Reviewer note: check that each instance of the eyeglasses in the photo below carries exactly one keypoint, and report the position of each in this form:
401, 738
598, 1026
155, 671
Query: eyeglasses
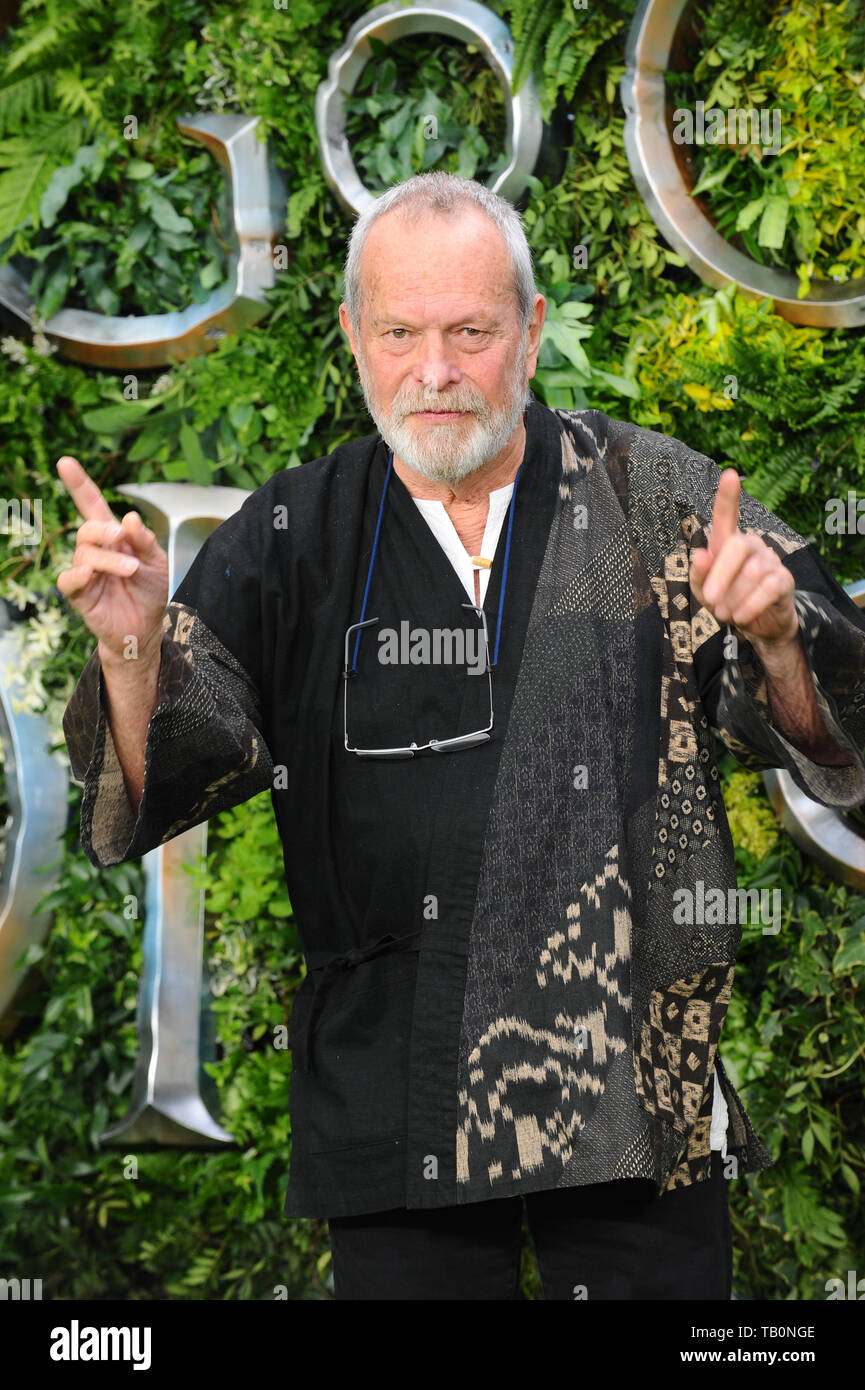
437, 745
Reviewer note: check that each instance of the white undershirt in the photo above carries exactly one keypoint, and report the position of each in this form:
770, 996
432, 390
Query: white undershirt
445, 533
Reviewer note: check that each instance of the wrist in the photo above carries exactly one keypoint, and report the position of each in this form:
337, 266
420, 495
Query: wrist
777, 647
146, 660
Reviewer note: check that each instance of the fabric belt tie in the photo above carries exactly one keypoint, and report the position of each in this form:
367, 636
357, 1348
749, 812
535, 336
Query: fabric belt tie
332, 969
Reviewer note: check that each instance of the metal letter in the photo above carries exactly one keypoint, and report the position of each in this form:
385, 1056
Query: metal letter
258, 197
36, 786
820, 831
461, 19
662, 180
169, 1086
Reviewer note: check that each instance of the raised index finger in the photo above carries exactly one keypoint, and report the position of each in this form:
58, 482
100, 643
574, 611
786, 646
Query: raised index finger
83, 491
725, 513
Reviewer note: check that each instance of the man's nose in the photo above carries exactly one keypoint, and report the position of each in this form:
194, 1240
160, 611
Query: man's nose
435, 369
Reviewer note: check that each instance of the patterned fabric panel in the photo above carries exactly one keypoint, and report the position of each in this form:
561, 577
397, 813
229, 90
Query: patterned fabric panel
204, 752
678, 1042
538, 1072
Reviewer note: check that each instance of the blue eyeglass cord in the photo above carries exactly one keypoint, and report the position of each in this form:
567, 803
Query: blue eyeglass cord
495, 660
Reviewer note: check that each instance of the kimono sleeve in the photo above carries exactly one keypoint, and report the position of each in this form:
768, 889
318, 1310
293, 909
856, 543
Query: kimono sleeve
205, 751
730, 676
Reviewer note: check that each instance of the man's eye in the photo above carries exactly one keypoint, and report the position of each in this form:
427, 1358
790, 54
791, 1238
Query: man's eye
476, 332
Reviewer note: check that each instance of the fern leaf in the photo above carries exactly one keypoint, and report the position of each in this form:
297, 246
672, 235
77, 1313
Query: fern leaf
776, 478
44, 38
20, 100
528, 47
21, 190
570, 49
30, 161
74, 95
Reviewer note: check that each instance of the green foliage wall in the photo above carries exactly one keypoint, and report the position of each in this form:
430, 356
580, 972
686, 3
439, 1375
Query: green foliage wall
137, 226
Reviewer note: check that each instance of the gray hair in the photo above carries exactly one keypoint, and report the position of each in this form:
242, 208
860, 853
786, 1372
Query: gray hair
447, 195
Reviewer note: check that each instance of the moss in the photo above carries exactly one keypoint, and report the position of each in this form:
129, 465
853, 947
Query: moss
753, 822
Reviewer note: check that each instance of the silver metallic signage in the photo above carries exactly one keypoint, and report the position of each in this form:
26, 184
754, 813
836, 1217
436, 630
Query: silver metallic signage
821, 832
662, 181
258, 197
258, 191
36, 786
170, 1090
459, 19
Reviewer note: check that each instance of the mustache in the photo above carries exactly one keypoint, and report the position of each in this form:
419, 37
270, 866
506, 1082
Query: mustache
409, 404
409, 407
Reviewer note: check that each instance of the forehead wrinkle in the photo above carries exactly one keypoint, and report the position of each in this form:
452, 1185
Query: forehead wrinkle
483, 248
407, 318
418, 307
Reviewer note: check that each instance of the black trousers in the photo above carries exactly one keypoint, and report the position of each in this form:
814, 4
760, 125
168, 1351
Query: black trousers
608, 1240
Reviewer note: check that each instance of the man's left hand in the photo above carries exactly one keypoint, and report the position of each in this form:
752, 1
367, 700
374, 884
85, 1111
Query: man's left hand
740, 579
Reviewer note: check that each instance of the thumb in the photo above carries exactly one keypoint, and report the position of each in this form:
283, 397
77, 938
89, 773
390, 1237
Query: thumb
140, 537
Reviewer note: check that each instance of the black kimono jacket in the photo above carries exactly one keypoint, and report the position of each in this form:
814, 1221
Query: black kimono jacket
499, 998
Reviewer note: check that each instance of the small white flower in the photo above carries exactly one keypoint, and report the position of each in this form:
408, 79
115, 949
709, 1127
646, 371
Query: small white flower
14, 348
42, 346
19, 595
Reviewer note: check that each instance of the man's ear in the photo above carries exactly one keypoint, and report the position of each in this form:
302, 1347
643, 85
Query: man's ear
535, 331
345, 325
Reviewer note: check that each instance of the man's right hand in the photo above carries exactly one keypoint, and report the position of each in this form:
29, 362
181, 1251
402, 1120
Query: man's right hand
118, 580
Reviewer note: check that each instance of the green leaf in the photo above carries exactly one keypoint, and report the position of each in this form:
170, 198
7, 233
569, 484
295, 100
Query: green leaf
176, 472
88, 162
163, 212
713, 179
45, 38
139, 169
573, 309
773, 223
152, 436
750, 212
137, 239
199, 472
394, 126
84, 1005
565, 338
31, 955
210, 275
823, 1135
622, 384
113, 419
21, 191
107, 300
851, 954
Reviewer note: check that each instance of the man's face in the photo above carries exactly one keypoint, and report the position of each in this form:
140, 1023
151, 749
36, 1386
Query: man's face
444, 367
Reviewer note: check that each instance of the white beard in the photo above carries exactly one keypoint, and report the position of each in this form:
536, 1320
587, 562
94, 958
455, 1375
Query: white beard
449, 450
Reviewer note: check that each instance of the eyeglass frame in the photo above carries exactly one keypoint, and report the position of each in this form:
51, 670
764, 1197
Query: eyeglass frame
436, 745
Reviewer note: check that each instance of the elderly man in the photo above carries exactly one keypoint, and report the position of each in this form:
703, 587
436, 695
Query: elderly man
476, 657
